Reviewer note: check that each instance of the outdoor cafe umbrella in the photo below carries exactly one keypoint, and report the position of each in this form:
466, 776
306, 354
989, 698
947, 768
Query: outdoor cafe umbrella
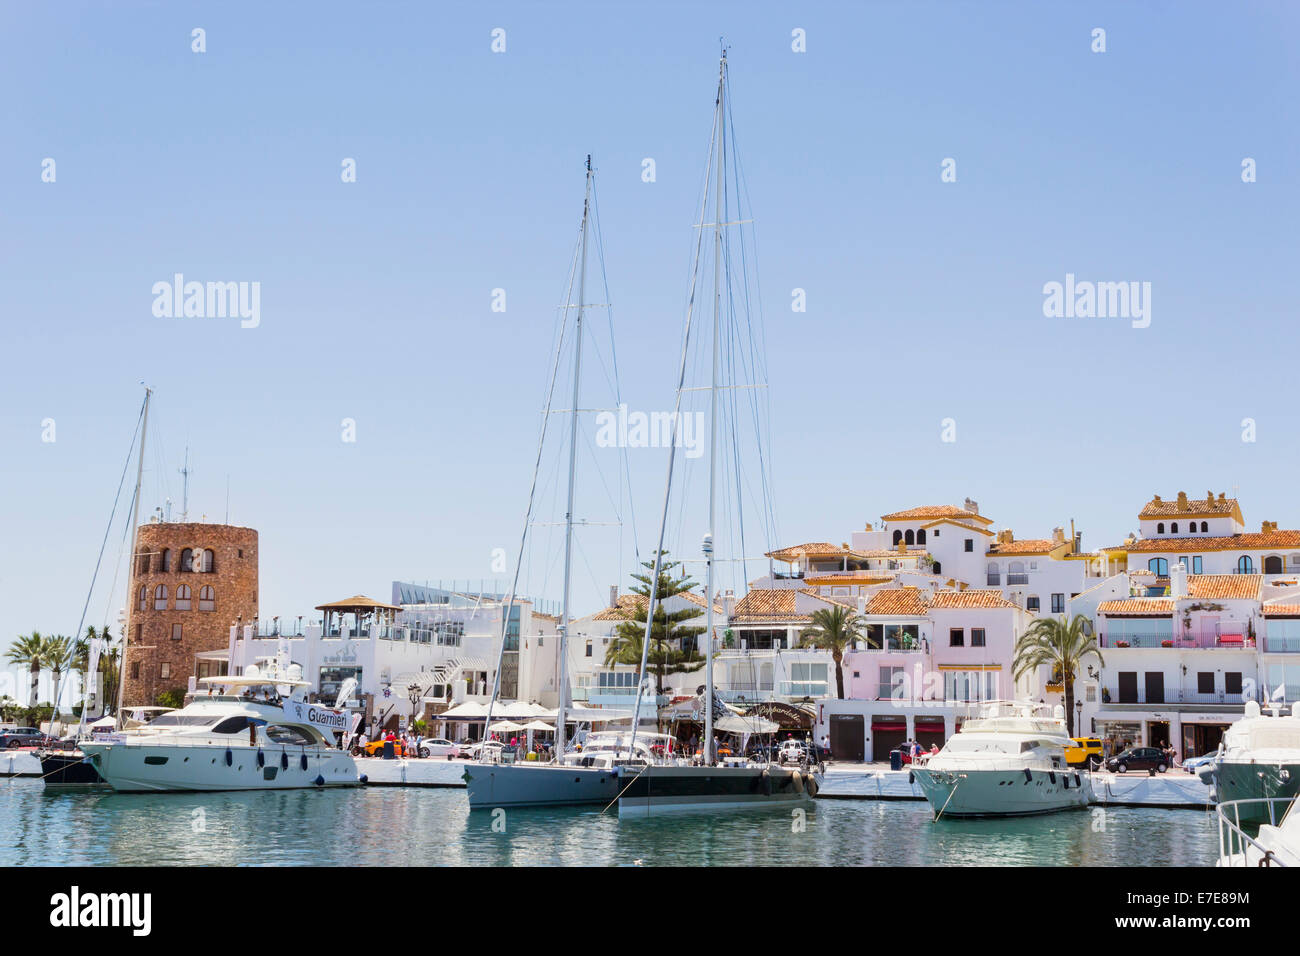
505, 727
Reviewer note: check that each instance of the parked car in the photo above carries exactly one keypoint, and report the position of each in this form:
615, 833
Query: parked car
376, 748
1193, 764
438, 747
22, 737
494, 748
1139, 758
1086, 752
792, 751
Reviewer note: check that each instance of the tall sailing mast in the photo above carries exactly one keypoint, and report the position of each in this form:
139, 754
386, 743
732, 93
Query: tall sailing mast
131, 567
563, 684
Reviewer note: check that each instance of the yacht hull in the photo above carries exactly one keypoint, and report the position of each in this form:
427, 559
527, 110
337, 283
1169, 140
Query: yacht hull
69, 770
1251, 780
519, 785
1002, 793
153, 767
663, 790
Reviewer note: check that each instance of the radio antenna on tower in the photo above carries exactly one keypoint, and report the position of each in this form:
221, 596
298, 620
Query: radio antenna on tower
185, 486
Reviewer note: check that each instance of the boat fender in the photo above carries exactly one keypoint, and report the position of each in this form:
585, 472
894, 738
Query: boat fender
1077, 781
284, 760
302, 761
911, 777
1029, 777
363, 778
1051, 776
797, 779
1065, 781
230, 758
319, 781
261, 758
812, 786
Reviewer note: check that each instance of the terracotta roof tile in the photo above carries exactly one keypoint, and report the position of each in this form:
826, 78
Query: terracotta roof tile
847, 577
768, 604
1200, 507
1145, 607
1224, 587
809, 549
934, 511
1249, 541
971, 598
897, 601
1282, 610
1027, 546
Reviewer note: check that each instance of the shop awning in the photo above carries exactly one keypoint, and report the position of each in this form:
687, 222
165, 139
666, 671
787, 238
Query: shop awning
888, 725
929, 726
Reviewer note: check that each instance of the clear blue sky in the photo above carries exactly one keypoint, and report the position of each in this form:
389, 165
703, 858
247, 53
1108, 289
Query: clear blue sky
924, 298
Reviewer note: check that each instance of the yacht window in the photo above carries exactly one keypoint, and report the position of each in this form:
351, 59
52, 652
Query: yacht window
232, 725
182, 720
280, 734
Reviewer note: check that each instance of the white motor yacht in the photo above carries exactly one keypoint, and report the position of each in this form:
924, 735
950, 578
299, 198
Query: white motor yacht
253, 732
1277, 842
1007, 762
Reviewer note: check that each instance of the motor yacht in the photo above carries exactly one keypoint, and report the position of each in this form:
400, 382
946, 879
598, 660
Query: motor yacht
1258, 759
252, 732
1006, 762
1275, 843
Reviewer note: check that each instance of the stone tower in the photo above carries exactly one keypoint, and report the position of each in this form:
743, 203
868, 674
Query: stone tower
189, 583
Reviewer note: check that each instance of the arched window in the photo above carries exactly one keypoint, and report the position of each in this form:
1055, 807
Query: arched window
898, 536
167, 559
1245, 565
144, 598
209, 561
160, 598
183, 595
1160, 528
1273, 564
1173, 528
920, 536
909, 538
1159, 567
936, 568
187, 559
1205, 526
207, 598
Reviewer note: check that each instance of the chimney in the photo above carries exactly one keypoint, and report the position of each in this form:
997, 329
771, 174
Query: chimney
728, 603
972, 506
862, 603
613, 595
1005, 536
1178, 581
1155, 500
1182, 501
1058, 536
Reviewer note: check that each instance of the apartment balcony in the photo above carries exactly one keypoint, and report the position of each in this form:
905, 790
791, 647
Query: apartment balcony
1013, 579
1177, 699
800, 689
1281, 645
995, 580
745, 693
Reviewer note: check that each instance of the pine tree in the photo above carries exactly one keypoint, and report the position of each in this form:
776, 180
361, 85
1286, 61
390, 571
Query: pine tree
673, 645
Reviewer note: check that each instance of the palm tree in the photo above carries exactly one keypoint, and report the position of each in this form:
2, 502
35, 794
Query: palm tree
56, 654
26, 652
672, 644
1062, 645
833, 629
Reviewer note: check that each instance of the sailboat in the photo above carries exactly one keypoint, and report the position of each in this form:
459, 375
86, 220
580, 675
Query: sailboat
674, 788
580, 778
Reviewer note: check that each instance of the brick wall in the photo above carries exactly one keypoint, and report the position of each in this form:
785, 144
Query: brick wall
166, 638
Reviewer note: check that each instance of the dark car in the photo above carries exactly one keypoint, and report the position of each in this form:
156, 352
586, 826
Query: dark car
1139, 758
22, 737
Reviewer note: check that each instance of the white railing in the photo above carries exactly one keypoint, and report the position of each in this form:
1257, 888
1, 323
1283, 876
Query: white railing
1236, 846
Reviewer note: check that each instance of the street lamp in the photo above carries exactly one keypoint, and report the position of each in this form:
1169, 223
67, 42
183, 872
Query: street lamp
413, 691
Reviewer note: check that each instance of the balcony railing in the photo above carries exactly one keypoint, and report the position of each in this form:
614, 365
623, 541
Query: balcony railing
1221, 642
1017, 578
804, 688
1282, 645
994, 580
1178, 696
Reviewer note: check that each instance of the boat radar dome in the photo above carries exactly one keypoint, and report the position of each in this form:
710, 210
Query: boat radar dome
252, 670
294, 672
1252, 708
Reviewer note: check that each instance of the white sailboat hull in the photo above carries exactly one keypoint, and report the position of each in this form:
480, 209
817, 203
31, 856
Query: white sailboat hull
544, 785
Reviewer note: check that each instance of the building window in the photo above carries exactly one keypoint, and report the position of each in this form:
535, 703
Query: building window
167, 559
135, 670
1173, 528
176, 632
1031, 603
589, 648
1273, 564
920, 536
207, 598
1058, 603
1245, 565
898, 536
1159, 567
970, 544
1196, 564
144, 597
977, 637
1205, 682
1205, 526
957, 637
187, 559
1160, 528
160, 598
183, 595
165, 670
910, 537
1232, 682
209, 561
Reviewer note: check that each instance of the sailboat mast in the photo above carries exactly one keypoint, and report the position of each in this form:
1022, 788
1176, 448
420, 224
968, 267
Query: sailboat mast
135, 530
563, 684
709, 754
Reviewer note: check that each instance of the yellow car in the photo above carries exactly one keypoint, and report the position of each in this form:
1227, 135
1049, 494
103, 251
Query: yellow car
1086, 751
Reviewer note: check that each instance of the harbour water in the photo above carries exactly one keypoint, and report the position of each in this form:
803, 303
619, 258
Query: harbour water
387, 826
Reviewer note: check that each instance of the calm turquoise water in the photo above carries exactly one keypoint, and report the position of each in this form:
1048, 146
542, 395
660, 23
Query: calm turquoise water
389, 826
